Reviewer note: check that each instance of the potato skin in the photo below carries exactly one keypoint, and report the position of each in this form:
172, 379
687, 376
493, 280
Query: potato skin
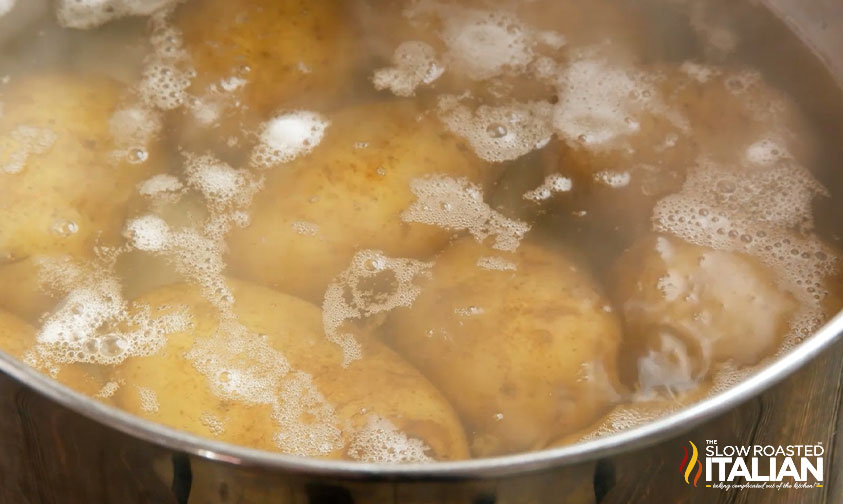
290, 47
514, 351
76, 180
689, 302
293, 327
354, 195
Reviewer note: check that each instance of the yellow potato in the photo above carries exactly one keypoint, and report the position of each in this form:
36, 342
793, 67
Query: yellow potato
697, 113
64, 182
524, 355
348, 194
688, 308
262, 55
281, 323
17, 338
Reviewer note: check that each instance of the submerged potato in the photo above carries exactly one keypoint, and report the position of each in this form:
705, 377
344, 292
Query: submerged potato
316, 407
348, 194
17, 338
524, 354
258, 56
688, 307
64, 182
621, 162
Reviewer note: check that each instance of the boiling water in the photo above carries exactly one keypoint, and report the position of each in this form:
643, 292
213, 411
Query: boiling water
414, 232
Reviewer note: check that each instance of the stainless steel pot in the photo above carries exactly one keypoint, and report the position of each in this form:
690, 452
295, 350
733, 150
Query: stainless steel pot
57, 445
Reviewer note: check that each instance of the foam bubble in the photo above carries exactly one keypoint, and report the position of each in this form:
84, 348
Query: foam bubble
148, 233
613, 179
108, 390
148, 399
496, 263
219, 183
161, 186
380, 441
308, 423
483, 43
6, 6
212, 423
168, 72
764, 212
93, 323
24, 141
457, 204
287, 137
766, 152
239, 365
554, 183
86, 14
134, 126
305, 228
414, 63
602, 103
498, 133
350, 295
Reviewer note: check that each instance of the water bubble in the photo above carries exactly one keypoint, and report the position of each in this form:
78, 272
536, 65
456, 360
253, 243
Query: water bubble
496, 130
64, 228
137, 155
726, 186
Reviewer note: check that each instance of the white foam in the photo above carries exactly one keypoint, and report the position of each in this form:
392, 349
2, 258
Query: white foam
93, 323
86, 14
308, 425
108, 390
483, 43
601, 104
764, 212
380, 441
698, 72
219, 183
348, 298
496, 263
498, 133
613, 179
553, 183
457, 204
6, 6
239, 365
305, 228
148, 233
24, 141
168, 72
134, 127
212, 422
148, 400
766, 152
287, 137
161, 186
414, 63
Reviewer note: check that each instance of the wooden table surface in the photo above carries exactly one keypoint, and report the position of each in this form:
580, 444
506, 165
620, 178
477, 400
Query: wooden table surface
804, 409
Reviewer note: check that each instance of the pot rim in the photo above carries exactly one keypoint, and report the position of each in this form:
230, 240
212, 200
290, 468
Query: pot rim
508, 465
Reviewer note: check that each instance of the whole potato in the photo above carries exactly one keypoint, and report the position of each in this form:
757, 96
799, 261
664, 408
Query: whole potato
525, 350
688, 308
345, 412
348, 194
65, 178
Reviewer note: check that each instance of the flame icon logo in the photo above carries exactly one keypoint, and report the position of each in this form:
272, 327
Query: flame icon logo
688, 466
